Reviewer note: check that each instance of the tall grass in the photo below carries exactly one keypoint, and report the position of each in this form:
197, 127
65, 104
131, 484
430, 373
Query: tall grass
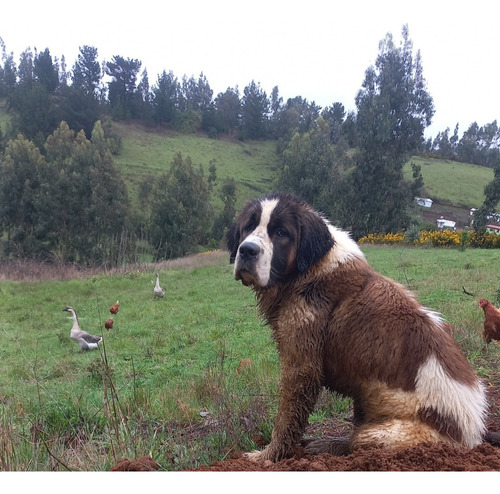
164, 383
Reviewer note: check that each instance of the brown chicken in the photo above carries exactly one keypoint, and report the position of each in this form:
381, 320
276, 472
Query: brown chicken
491, 329
115, 308
109, 323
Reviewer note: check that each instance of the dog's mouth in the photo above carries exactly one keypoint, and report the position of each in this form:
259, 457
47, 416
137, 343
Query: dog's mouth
246, 277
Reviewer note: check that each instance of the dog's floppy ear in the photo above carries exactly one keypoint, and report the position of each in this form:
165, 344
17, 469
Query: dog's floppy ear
233, 241
314, 242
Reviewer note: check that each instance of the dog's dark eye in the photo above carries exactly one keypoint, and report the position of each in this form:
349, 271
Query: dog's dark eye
281, 233
250, 226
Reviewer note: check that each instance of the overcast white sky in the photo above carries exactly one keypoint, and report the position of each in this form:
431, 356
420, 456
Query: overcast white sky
316, 49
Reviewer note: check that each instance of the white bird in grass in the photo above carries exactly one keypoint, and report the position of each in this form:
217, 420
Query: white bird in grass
86, 340
158, 291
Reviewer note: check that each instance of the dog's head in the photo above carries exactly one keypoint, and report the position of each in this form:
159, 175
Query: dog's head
276, 237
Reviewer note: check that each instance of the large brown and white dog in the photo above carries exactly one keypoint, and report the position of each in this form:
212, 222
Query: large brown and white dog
340, 324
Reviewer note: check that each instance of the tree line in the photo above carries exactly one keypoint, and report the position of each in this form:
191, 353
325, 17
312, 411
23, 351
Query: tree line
58, 150
478, 145
40, 92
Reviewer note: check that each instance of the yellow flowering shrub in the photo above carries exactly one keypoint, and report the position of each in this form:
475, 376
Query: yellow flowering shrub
382, 238
484, 241
437, 238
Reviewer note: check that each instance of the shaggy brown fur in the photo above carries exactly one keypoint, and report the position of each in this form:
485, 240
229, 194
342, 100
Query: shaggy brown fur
338, 323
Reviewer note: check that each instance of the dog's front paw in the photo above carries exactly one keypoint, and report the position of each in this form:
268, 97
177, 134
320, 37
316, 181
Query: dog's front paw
255, 456
270, 453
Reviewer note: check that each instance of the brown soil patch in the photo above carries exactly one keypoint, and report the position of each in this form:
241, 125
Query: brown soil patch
425, 458
432, 457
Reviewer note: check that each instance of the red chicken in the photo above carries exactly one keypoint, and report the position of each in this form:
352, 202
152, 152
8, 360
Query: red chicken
491, 329
109, 324
115, 308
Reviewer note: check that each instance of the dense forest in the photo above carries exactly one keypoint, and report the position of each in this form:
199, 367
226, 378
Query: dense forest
63, 198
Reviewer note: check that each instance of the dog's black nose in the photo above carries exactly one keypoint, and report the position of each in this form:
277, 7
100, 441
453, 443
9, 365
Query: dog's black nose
249, 250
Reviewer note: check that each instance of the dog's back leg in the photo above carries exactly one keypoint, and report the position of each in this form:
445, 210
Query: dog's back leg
395, 433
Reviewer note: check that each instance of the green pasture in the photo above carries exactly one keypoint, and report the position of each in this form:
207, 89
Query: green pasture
165, 383
253, 164
452, 183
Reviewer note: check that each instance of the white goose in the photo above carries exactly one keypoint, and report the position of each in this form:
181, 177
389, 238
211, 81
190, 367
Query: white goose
86, 340
158, 291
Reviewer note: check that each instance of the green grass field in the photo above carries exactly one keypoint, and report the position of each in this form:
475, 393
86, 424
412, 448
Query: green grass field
253, 164
453, 183
164, 383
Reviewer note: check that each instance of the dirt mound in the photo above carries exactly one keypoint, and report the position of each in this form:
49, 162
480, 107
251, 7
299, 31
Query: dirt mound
424, 458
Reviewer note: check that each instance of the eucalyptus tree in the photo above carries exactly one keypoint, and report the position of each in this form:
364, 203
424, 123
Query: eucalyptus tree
296, 115
109, 205
33, 113
144, 99
480, 145
393, 110
226, 217
196, 103
70, 159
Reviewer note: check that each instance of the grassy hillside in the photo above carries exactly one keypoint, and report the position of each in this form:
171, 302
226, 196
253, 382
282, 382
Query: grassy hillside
455, 187
253, 164
453, 183
166, 385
